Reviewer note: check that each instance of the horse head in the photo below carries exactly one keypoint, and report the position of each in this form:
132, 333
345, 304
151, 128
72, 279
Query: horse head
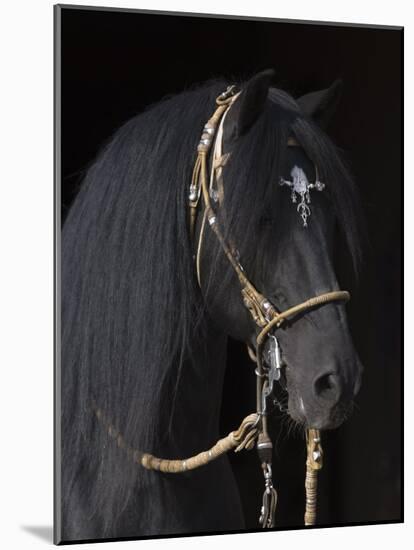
281, 192
143, 350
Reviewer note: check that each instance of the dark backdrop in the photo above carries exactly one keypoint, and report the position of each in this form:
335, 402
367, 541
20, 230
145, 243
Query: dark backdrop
115, 63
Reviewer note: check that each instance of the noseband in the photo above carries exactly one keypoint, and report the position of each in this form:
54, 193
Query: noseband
253, 429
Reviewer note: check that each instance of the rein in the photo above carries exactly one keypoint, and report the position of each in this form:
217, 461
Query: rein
253, 429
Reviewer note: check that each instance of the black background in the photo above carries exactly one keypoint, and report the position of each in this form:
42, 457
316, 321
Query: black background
114, 64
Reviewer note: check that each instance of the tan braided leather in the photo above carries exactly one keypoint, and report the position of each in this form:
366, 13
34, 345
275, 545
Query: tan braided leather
243, 438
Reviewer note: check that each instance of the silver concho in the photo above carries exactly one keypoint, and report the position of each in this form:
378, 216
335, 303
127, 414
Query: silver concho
301, 187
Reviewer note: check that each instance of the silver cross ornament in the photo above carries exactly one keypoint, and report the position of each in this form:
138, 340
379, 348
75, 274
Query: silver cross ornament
301, 187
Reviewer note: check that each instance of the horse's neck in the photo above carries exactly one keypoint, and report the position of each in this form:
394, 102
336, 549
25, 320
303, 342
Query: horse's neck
194, 423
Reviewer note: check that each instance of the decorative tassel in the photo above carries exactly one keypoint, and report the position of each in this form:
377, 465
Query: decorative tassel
313, 464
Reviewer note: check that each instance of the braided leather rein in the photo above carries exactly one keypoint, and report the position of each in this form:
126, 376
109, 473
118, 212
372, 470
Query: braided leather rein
253, 428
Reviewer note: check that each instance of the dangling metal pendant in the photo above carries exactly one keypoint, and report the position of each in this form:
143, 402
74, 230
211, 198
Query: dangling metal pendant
269, 502
273, 360
300, 186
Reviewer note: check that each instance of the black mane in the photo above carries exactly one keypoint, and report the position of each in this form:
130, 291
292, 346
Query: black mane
129, 293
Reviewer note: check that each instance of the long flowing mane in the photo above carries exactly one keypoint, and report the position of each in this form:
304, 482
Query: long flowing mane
131, 309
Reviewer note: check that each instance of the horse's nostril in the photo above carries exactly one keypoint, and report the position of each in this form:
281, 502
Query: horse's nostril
327, 386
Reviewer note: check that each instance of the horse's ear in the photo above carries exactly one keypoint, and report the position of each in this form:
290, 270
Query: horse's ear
251, 102
321, 105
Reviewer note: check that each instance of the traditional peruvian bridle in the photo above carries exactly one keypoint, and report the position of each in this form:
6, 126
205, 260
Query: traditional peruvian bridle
253, 428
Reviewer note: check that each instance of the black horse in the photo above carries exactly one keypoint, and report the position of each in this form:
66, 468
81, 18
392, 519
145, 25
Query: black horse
145, 344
